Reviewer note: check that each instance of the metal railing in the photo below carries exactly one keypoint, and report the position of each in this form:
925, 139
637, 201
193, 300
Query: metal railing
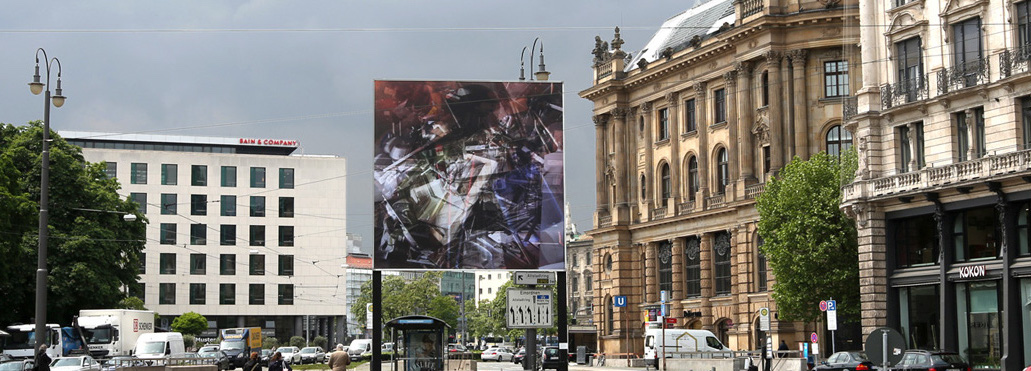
849, 108
1015, 60
963, 75
904, 91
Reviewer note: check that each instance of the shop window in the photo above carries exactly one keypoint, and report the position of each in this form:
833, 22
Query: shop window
169, 174
166, 293
257, 294
665, 263
976, 234
227, 264
920, 326
835, 79
138, 173
197, 291
1025, 298
979, 324
169, 204
141, 200
838, 140
916, 242
692, 268
692, 178
199, 175
258, 206
227, 293
227, 235
721, 263
286, 294
198, 204
1023, 229
229, 176
228, 205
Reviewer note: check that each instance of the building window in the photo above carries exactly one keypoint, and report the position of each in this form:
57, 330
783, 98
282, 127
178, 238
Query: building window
227, 294
258, 206
721, 263
838, 140
229, 176
169, 174
766, 159
198, 234
197, 291
257, 266
1024, 231
286, 235
166, 293
138, 173
665, 262
169, 204
228, 205
168, 233
286, 207
167, 261
227, 235
667, 184
286, 178
143, 263
967, 49
916, 241
227, 264
610, 320
911, 145
920, 327
286, 294
286, 265
608, 262
587, 281
141, 201
719, 108
257, 235
1023, 31
835, 79
199, 175
980, 323
975, 234
963, 131
692, 177
198, 204
257, 177
644, 188
690, 116
910, 67
765, 82
761, 266
692, 268
110, 169
722, 171
1025, 113
664, 124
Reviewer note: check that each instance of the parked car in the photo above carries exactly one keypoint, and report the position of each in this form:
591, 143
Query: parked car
552, 359
497, 354
313, 355
518, 357
218, 358
264, 356
77, 363
842, 361
121, 361
925, 360
455, 348
22, 365
291, 355
386, 347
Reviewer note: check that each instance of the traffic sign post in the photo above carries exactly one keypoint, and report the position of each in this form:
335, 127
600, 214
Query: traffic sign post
528, 308
764, 319
620, 302
832, 320
534, 278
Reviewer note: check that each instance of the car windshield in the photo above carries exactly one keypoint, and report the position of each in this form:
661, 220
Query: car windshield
152, 347
231, 345
949, 358
287, 350
66, 362
307, 350
98, 335
207, 350
11, 366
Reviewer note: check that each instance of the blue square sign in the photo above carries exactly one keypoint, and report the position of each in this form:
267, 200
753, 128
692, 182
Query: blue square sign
619, 301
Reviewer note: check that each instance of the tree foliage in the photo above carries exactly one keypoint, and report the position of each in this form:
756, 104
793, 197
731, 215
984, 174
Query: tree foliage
418, 297
190, 323
91, 255
270, 343
297, 341
809, 242
320, 341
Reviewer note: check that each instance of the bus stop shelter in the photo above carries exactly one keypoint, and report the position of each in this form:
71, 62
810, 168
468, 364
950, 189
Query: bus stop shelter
423, 343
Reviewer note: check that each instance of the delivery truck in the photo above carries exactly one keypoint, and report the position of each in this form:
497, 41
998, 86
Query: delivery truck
113, 332
680, 343
61, 341
238, 343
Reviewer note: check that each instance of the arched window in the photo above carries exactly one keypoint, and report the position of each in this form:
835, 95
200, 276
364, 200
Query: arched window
610, 321
665, 265
838, 140
722, 171
723, 327
667, 184
692, 177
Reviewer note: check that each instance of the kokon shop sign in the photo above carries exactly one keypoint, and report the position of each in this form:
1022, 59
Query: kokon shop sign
972, 271
269, 142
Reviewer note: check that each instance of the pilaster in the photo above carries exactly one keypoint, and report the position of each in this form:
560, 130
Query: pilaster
800, 104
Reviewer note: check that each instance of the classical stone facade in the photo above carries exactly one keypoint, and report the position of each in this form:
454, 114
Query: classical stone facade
688, 130
941, 198
580, 286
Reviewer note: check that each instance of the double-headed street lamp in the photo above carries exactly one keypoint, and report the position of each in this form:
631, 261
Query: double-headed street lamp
44, 193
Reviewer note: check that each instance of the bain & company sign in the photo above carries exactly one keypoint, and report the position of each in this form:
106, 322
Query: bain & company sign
972, 271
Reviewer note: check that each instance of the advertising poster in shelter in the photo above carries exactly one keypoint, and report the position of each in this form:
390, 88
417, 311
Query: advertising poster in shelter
468, 175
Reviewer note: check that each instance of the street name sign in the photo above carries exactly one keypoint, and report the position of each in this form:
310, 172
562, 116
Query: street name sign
534, 278
528, 308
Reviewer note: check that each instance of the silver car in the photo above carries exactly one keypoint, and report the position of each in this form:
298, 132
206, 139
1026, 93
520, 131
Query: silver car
291, 355
313, 355
77, 363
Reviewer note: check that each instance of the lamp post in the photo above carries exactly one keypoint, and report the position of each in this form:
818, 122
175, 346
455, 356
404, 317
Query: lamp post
44, 192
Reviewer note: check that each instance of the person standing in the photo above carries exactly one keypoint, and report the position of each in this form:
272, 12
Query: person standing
42, 359
339, 359
253, 363
276, 363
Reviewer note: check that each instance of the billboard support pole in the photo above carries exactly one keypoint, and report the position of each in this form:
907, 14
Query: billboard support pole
377, 309
563, 337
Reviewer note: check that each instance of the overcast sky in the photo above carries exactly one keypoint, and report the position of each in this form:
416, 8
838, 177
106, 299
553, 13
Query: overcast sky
302, 69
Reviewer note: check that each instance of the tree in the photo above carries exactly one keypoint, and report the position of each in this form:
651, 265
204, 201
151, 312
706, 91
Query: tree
270, 343
320, 341
297, 341
189, 341
132, 302
810, 244
444, 308
190, 323
91, 255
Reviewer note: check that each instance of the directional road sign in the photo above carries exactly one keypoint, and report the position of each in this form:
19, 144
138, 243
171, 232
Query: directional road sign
534, 278
619, 301
528, 308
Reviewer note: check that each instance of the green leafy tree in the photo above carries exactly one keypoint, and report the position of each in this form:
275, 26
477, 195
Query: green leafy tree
190, 323
809, 242
270, 343
320, 341
444, 308
297, 341
91, 255
132, 302
189, 341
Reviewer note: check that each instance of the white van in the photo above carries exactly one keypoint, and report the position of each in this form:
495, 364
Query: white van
157, 345
677, 341
359, 348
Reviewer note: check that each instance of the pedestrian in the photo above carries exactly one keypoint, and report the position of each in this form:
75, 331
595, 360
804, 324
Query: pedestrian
276, 363
339, 360
42, 359
782, 350
253, 363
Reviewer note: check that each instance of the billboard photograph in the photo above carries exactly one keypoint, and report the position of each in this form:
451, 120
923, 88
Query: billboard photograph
468, 175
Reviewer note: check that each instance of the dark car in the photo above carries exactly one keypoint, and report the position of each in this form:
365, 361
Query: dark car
842, 361
552, 358
925, 360
518, 357
218, 358
264, 356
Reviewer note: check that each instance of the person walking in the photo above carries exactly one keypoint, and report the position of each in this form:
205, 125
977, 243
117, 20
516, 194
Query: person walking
253, 363
42, 359
782, 350
277, 363
339, 359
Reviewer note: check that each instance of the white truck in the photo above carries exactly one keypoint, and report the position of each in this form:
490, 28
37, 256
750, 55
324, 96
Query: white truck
680, 343
158, 345
113, 332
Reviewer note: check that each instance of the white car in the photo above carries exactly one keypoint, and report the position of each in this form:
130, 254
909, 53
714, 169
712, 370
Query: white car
77, 363
291, 355
313, 355
497, 354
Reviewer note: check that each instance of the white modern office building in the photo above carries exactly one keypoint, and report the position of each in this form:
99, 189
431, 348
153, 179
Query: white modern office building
489, 282
239, 230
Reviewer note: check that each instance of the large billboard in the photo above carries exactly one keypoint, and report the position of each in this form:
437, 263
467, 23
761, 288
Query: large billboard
468, 175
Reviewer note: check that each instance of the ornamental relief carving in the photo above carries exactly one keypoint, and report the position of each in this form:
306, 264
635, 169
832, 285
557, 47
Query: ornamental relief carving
761, 128
692, 249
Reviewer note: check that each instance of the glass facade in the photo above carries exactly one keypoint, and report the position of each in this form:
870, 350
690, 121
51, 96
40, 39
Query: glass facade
920, 326
976, 234
980, 331
916, 242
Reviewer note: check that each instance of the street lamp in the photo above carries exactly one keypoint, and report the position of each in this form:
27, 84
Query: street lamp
44, 192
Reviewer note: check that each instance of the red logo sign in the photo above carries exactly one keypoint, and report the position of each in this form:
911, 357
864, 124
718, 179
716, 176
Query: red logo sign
269, 142
135, 325
671, 320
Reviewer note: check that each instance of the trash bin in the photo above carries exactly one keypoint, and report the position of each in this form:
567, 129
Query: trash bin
581, 355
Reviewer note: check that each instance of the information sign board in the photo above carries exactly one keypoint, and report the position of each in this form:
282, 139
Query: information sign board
534, 278
528, 308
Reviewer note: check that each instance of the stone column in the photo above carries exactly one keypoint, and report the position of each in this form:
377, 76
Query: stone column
910, 128
801, 104
674, 145
649, 152
972, 142
705, 260
776, 120
746, 146
703, 143
787, 104
620, 159
600, 173
730, 78
651, 281
677, 309
873, 273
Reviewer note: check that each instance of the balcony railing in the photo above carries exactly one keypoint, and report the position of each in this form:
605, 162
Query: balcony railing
715, 201
963, 75
659, 213
904, 91
751, 7
849, 108
604, 221
1015, 60
686, 207
753, 191
974, 170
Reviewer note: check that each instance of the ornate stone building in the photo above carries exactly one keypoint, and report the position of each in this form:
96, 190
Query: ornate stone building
688, 131
942, 196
